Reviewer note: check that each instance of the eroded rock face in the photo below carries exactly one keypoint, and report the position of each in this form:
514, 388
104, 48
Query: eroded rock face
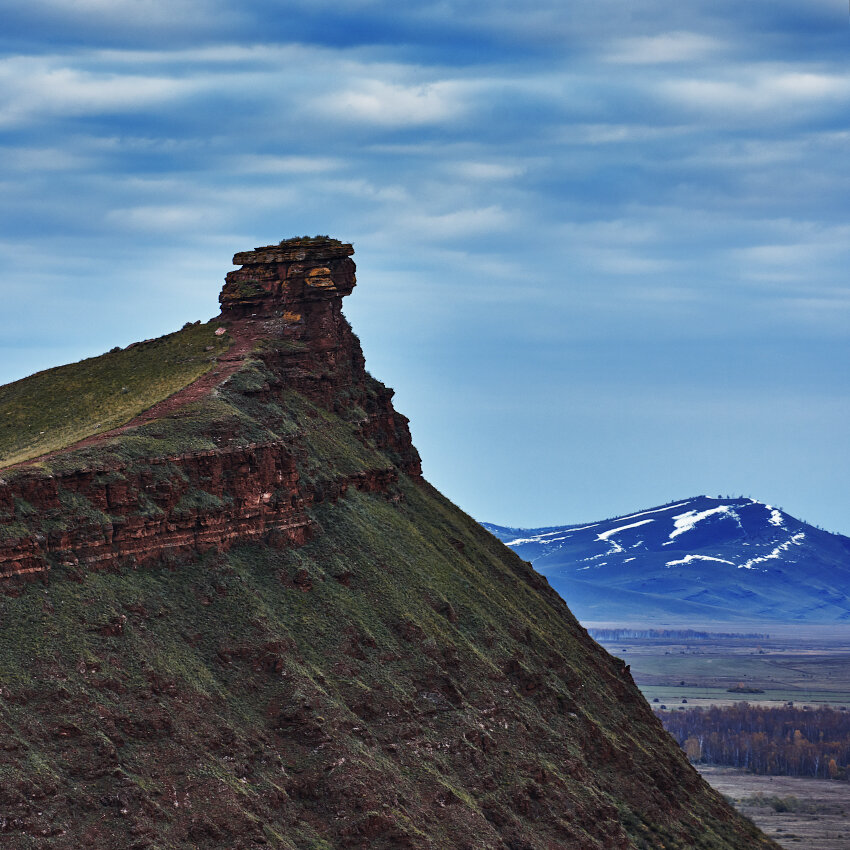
176, 508
302, 280
285, 303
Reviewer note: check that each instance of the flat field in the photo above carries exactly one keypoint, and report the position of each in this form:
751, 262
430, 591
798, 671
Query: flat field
806, 814
806, 665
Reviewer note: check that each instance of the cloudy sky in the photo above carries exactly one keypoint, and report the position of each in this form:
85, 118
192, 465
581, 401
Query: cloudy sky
602, 246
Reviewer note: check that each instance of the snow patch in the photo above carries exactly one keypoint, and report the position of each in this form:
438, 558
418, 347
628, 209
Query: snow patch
794, 540
604, 535
685, 522
615, 546
688, 558
537, 539
775, 517
549, 536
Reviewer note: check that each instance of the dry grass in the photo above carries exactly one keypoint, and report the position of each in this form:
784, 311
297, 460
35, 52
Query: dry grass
801, 813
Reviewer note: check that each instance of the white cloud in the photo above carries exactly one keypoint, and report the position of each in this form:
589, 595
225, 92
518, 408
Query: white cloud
37, 89
776, 254
758, 90
459, 223
374, 101
165, 217
260, 164
800, 264
664, 48
486, 171
595, 134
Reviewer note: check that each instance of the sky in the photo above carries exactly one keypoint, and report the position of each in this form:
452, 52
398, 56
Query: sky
602, 247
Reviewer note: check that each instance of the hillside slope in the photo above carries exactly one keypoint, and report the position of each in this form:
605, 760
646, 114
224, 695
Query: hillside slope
700, 559
251, 623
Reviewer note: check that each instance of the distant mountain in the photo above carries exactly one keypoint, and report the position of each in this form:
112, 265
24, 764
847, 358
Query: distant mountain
700, 559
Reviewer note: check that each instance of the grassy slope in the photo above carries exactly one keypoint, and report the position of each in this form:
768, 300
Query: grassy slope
56, 408
399, 681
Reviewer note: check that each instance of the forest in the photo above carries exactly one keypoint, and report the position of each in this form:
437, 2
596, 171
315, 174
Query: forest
784, 741
670, 634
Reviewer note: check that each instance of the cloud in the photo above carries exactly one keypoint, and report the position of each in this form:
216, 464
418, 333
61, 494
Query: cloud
123, 20
38, 89
663, 49
455, 224
374, 101
37, 160
165, 217
486, 171
271, 164
758, 90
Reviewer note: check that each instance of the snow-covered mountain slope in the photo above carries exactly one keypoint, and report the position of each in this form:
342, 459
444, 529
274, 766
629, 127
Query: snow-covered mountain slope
700, 559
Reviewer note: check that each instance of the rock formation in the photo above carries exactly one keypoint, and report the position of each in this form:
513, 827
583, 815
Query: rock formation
243, 619
286, 304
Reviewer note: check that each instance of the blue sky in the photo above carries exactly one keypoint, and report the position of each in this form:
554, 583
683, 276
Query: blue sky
602, 246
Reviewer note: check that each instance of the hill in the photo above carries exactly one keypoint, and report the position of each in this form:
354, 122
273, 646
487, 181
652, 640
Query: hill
243, 619
698, 560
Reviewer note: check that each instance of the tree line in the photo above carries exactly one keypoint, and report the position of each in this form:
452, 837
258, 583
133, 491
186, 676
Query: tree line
783, 741
670, 634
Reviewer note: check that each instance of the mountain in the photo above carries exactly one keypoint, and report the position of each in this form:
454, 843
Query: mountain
235, 615
700, 560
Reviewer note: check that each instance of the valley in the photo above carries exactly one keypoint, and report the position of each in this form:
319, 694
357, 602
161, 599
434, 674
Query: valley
807, 665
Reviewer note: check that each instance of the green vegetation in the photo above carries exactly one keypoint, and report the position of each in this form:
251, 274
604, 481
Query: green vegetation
56, 408
401, 680
307, 241
778, 804
409, 671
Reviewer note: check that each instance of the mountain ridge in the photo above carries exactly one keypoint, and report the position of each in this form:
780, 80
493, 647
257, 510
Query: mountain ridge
708, 558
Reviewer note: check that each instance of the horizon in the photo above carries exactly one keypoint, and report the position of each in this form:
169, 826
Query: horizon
602, 255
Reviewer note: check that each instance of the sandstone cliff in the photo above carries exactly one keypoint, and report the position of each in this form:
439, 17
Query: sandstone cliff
243, 619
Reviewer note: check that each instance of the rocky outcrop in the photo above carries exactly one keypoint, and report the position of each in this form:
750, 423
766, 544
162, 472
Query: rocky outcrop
285, 307
302, 280
290, 296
